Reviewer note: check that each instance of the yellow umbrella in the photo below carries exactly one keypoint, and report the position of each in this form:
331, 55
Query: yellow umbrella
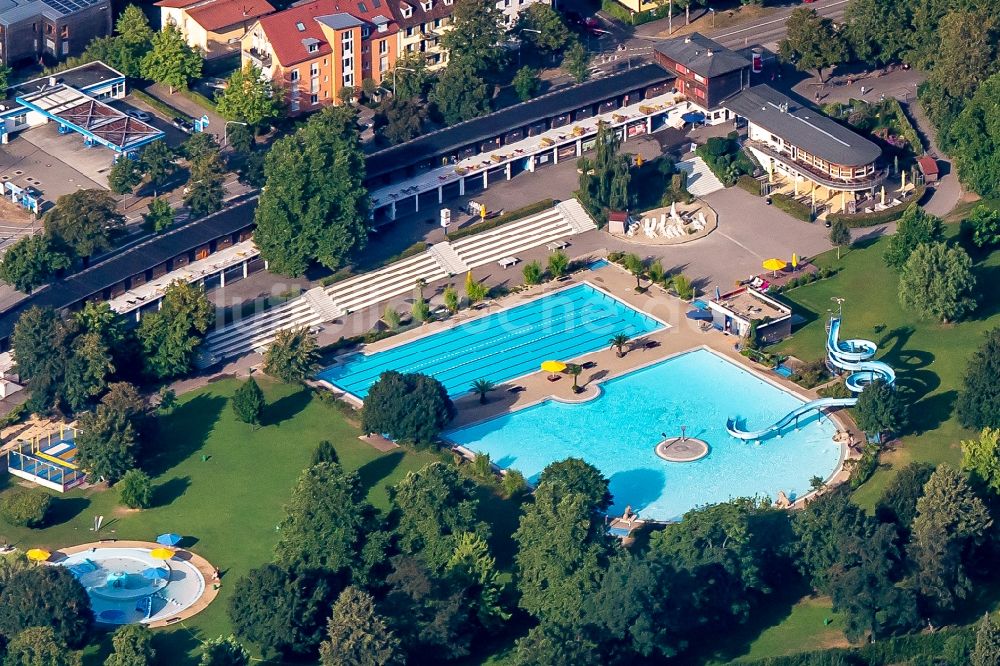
161, 553
795, 261
38, 555
553, 366
775, 265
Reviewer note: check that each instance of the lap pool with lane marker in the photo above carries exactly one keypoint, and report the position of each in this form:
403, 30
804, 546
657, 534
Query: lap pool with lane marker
503, 345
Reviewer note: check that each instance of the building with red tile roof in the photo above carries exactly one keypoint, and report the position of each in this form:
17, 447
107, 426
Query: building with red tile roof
214, 26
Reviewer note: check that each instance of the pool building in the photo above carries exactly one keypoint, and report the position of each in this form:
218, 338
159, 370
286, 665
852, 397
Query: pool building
48, 460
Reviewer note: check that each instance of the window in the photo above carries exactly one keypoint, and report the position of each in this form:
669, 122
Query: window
64, 33
313, 99
699, 78
295, 75
313, 47
448, 2
681, 69
427, 4
300, 26
383, 64
314, 69
406, 10
362, 8
383, 46
409, 31
365, 32
295, 104
348, 64
698, 92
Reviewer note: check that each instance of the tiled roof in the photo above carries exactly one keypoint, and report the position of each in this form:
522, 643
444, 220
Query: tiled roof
177, 4
217, 14
702, 55
289, 30
419, 15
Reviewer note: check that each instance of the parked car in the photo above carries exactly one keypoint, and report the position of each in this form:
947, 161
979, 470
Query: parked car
182, 124
139, 115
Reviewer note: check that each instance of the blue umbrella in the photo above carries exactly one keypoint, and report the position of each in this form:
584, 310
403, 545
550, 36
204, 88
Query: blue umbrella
699, 315
169, 539
693, 117
155, 573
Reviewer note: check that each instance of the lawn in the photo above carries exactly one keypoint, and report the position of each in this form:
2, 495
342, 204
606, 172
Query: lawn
811, 625
223, 485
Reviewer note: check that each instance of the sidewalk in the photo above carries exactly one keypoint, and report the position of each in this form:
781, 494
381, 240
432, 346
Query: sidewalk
216, 123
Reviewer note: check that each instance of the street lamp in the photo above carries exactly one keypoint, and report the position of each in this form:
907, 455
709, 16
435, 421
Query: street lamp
713, 16
520, 43
396, 69
225, 130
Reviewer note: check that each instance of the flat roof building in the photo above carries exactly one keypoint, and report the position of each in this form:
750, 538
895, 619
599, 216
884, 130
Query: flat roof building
707, 72
50, 30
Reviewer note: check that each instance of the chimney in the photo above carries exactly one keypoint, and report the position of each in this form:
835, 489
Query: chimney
52, 80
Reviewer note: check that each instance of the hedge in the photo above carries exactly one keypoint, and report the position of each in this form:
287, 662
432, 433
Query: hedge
793, 207
159, 105
879, 217
511, 216
198, 99
750, 184
625, 15
25, 508
906, 127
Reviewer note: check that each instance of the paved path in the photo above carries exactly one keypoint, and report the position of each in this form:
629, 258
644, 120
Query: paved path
948, 190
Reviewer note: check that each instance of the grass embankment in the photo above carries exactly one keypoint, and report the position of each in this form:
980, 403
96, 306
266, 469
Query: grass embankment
222, 485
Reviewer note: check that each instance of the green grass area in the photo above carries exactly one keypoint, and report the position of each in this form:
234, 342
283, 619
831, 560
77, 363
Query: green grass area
230, 502
811, 625
929, 357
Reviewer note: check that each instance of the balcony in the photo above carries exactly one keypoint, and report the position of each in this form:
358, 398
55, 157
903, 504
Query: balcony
814, 174
259, 59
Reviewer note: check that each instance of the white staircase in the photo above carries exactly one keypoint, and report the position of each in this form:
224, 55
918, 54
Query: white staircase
322, 304
513, 237
445, 255
388, 282
701, 180
255, 332
576, 215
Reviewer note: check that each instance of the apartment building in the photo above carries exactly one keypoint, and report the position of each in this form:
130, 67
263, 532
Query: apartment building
315, 50
50, 30
214, 26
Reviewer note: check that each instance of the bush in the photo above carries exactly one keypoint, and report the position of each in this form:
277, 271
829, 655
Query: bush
838, 390
135, 489
25, 508
793, 207
510, 216
750, 184
513, 483
858, 220
863, 467
810, 374
621, 13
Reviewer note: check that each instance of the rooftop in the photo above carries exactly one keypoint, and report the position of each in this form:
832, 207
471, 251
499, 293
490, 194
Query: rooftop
15, 11
702, 55
133, 261
751, 305
81, 78
802, 126
214, 15
552, 104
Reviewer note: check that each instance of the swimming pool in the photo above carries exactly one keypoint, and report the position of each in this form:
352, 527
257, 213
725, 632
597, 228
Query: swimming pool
128, 585
503, 345
618, 430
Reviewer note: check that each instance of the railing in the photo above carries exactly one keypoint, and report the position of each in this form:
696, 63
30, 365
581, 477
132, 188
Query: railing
259, 59
824, 179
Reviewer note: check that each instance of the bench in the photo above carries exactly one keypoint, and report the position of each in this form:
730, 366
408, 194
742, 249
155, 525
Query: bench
557, 245
507, 262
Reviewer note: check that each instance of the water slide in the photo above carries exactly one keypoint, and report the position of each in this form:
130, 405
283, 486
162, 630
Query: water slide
853, 356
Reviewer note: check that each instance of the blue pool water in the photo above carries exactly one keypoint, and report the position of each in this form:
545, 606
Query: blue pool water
504, 345
617, 432
597, 264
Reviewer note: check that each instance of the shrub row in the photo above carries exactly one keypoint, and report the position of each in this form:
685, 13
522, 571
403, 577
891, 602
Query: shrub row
750, 184
793, 207
159, 105
804, 279
624, 15
198, 99
510, 216
906, 127
879, 217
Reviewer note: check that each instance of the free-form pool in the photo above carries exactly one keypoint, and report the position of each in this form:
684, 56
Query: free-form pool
618, 431
503, 345
127, 585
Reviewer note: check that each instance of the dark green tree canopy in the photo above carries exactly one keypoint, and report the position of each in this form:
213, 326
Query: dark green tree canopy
46, 597
400, 119
476, 39
912, 229
898, 504
880, 409
133, 646
293, 356
812, 42
461, 93
574, 475
979, 402
248, 402
170, 60
224, 651
31, 262
827, 520
357, 635
85, 222
314, 207
409, 407
39, 646
937, 282
171, 336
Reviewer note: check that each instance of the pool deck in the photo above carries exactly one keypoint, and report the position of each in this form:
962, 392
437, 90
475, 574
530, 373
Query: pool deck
200, 563
681, 335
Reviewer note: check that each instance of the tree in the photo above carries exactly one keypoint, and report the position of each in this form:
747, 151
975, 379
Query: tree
39, 646
199, 145
985, 224
325, 453
133, 646
976, 138
157, 163
543, 29
409, 78
474, 43
400, 119
325, 521
328, 226
618, 342
636, 266
451, 299
873, 30
248, 403
124, 176
240, 138
951, 523
818, 531
533, 273
811, 42
981, 458
979, 402
898, 504
880, 409
107, 445
604, 182
431, 508
283, 611
170, 337
987, 650
171, 61
251, 171
550, 644
249, 97
473, 567
420, 310
204, 193
558, 264
576, 63
224, 651
937, 281
526, 82
574, 475
31, 262
967, 53
840, 235
135, 489
293, 356
914, 228
409, 407
46, 597
25, 507
84, 221
160, 215
357, 635
460, 93
475, 291
482, 388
